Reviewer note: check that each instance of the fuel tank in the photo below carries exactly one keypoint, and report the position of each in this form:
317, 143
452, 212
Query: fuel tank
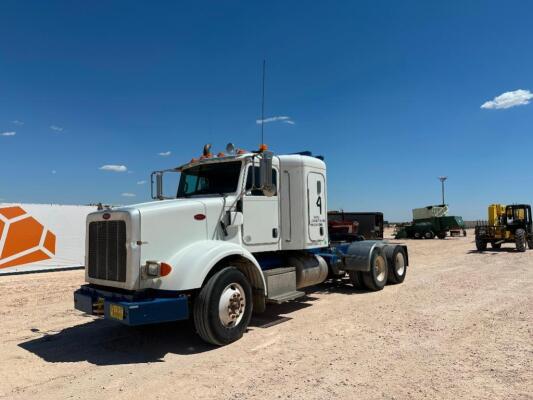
311, 269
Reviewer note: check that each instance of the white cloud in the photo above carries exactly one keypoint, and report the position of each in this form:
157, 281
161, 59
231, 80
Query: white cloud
56, 128
141, 182
8, 133
165, 153
17, 122
282, 118
518, 97
114, 168
273, 119
128, 194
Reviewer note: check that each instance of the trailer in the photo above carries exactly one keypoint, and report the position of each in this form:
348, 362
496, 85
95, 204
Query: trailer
245, 229
369, 225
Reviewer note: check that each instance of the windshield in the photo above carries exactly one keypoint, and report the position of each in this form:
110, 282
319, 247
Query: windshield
218, 178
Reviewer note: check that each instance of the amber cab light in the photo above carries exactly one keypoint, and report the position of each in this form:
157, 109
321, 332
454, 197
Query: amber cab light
165, 269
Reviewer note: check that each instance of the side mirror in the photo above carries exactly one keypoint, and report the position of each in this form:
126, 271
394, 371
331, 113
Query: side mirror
158, 184
265, 174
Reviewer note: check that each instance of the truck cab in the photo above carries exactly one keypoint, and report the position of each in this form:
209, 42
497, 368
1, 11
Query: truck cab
242, 230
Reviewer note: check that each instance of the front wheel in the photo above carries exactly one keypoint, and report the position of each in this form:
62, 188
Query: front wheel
481, 245
223, 308
520, 240
429, 235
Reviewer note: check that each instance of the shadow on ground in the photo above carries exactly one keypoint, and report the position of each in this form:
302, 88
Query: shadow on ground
102, 342
495, 251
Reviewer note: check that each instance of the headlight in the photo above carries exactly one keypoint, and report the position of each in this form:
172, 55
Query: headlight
153, 268
156, 269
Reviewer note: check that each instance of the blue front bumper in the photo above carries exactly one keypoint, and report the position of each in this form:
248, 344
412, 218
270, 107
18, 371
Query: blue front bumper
131, 309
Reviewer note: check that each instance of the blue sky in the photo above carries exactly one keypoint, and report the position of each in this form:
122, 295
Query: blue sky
389, 92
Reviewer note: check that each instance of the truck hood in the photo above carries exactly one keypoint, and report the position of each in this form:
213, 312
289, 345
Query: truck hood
158, 230
168, 226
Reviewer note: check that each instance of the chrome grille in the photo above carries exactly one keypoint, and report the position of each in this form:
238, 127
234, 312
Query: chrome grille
107, 250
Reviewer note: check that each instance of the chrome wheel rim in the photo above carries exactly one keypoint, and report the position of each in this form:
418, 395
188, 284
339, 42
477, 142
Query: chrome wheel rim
231, 305
399, 264
381, 268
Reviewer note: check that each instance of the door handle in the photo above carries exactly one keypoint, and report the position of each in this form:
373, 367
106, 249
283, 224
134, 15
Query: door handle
274, 232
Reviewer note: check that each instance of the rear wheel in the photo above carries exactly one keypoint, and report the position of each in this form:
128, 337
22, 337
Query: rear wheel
495, 245
441, 235
417, 235
376, 278
397, 263
481, 245
429, 235
356, 279
223, 308
520, 240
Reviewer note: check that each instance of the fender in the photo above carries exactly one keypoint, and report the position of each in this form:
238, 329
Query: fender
192, 264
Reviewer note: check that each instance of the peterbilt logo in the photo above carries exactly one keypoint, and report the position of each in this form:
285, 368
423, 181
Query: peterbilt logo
23, 239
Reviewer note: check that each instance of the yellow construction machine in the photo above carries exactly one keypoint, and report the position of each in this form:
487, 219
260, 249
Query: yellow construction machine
506, 224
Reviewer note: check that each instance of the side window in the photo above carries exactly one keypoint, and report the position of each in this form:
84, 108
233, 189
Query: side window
189, 184
249, 181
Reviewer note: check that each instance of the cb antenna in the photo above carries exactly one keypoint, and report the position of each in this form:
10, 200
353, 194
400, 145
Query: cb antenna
263, 106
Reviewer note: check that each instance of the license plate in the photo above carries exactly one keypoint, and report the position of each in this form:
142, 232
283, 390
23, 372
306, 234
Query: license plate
116, 311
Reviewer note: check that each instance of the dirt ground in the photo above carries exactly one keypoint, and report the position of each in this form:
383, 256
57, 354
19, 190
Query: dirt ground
459, 327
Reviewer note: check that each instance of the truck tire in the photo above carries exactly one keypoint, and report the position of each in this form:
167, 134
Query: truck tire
417, 235
397, 263
495, 245
530, 242
429, 235
356, 279
520, 240
223, 308
441, 235
481, 245
376, 278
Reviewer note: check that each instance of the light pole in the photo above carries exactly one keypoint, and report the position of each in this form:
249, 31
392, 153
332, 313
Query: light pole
442, 179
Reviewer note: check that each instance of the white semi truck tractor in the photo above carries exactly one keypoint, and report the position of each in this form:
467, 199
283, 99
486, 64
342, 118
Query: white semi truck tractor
244, 229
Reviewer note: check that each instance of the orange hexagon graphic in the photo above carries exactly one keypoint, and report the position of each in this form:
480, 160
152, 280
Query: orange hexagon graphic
23, 239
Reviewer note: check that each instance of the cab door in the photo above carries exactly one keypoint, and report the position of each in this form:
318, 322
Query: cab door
316, 206
260, 231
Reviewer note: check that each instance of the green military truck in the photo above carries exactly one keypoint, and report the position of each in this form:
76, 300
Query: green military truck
432, 221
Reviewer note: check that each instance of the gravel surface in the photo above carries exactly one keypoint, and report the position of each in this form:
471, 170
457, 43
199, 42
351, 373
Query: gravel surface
459, 327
